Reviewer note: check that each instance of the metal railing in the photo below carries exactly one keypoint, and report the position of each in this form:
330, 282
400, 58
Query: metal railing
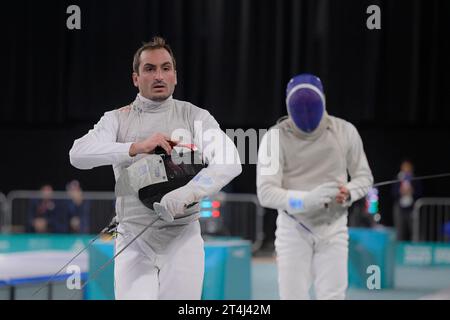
242, 215
19, 202
429, 218
3, 209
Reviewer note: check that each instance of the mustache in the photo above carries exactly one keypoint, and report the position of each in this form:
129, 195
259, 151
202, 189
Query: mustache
159, 83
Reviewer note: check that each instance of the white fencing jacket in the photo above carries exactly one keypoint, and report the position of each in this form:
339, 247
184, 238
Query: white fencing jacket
303, 161
108, 143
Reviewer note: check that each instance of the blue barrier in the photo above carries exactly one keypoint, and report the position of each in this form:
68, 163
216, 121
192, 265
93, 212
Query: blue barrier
371, 247
227, 270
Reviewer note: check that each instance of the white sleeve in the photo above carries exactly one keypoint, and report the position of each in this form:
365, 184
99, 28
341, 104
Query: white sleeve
219, 152
269, 172
357, 165
99, 146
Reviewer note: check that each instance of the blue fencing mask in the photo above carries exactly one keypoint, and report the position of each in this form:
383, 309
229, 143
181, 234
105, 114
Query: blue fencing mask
305, 101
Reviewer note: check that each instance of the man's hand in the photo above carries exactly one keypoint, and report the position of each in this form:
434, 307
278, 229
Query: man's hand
40, 225
149, 145
316, 199
177, 201
406, 189
75, 224
343, 195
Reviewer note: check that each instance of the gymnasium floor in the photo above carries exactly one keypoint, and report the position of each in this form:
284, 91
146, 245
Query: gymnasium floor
410, 283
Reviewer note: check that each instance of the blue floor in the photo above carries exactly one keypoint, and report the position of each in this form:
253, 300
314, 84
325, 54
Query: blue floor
410, 283
264, 280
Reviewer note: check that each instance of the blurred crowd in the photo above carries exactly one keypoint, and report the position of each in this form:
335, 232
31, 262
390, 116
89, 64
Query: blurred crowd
49, 215
46, 214
404, 194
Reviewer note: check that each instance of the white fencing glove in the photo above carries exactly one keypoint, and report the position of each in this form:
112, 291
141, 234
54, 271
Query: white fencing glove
162, 212
316, 199
184, 200
178, 201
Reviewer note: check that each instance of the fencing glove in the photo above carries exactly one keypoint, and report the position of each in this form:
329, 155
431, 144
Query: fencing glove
316, 199
180, 201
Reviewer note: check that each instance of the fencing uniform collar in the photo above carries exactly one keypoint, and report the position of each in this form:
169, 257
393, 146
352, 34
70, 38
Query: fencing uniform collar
144, 104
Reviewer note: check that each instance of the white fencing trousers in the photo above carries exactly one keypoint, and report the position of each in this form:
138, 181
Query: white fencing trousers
303, 260
176, 274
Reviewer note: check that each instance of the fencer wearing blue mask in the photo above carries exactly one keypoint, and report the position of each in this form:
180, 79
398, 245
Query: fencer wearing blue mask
305, 101
310, 155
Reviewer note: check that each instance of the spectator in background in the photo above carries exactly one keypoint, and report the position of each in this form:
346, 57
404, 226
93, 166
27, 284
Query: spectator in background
77, 208
359, 216
405, 193
447, 231
44, 215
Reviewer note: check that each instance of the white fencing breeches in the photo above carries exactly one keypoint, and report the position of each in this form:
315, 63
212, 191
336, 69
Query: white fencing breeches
176, 274
304, 259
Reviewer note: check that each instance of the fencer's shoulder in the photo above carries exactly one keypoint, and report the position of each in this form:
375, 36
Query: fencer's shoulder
341, 124
181, 104
111, 115
191, 109
124, 109
120, 112
185, 106
281, 124
279, 130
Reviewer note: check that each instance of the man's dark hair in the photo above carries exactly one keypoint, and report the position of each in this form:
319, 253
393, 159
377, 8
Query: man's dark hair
155, 43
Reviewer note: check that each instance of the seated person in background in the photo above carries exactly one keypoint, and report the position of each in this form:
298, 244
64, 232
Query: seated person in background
405, 193
77, 208
44, 214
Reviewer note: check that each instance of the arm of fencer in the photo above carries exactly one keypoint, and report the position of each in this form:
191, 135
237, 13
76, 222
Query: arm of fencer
269, 173
219, 152
269, 176
361, 178
99, 146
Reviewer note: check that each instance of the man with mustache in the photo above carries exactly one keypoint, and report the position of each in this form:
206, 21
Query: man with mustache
167, 261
